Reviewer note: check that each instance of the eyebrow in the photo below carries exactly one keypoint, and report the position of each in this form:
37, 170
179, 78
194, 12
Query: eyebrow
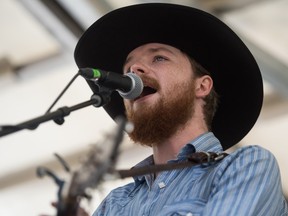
150, 50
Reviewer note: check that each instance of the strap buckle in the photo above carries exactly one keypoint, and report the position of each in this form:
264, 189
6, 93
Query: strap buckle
206, 158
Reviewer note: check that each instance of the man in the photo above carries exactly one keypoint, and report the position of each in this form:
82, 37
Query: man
203, 92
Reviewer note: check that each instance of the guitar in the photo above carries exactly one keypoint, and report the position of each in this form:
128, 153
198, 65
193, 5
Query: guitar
98, 163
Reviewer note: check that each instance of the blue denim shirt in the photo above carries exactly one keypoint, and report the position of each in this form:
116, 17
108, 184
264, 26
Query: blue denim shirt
246, 182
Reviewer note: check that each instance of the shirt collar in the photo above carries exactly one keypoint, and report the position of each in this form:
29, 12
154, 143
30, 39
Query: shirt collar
206, 142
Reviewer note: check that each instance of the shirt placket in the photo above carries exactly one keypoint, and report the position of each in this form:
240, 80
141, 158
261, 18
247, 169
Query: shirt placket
155, 200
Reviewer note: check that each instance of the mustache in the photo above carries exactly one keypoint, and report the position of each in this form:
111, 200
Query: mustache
149, 81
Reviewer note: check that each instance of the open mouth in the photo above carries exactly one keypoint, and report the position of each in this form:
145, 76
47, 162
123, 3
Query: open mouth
147, 91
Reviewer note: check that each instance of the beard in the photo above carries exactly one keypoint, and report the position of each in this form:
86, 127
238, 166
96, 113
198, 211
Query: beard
157, 123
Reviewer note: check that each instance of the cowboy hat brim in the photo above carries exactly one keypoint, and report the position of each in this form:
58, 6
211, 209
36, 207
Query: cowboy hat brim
237, 78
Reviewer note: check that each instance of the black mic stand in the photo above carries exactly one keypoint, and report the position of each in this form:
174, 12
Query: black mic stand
96, 100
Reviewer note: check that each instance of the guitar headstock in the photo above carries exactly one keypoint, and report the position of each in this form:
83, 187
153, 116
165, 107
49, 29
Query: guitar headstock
99, 162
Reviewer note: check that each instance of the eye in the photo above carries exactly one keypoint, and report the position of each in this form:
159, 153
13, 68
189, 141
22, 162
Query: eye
159, 58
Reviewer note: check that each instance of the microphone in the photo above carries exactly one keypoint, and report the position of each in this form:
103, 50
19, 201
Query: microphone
129, 86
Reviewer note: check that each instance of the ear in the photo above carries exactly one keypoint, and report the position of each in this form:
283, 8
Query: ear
203, 86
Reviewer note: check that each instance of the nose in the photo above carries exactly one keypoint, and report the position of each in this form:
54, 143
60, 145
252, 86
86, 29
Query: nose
138, 68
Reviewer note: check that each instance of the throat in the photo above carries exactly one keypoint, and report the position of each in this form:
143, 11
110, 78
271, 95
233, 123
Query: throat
162, 153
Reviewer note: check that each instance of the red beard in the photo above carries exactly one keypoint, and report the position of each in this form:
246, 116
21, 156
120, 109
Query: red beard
157, 123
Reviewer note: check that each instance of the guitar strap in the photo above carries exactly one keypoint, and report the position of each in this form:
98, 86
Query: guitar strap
197, 158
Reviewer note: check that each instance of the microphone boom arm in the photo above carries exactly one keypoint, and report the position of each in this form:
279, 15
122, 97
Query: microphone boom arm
58, 115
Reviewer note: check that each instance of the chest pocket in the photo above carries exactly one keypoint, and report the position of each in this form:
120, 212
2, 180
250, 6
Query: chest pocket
192, 207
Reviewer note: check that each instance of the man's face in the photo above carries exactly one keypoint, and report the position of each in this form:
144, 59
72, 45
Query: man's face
167, 101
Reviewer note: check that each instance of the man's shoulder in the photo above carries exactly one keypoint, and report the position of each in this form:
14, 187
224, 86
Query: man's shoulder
253, 152
251, 155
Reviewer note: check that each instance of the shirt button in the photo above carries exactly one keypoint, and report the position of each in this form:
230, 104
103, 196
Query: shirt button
189, 214
161, 185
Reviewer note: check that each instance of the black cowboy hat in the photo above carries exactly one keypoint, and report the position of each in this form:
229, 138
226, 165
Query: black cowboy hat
237, 79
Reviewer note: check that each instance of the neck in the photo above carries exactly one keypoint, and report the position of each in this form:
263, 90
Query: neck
169, 149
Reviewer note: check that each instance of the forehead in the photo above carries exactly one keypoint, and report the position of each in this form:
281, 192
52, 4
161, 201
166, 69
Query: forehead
151, 48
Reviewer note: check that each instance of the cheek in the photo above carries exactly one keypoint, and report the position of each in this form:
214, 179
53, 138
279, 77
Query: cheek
172, 82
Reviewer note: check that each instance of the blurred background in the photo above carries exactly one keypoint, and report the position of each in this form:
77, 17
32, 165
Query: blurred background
37, 42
